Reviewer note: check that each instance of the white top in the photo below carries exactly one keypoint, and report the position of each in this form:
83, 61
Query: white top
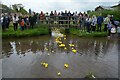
15, 19
1, 19
113, 30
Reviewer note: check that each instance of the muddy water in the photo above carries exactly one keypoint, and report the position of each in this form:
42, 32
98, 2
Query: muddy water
22, 57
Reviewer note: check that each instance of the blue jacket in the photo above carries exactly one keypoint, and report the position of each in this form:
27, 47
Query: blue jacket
99, 19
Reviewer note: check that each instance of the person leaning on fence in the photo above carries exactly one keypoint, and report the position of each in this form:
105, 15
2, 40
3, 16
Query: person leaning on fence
42, 17
51, 17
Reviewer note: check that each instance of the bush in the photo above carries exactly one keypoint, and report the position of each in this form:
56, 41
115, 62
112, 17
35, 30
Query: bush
104, 13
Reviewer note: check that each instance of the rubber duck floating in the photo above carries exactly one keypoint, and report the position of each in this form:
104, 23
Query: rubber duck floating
74, 50
44, 64
62, 45
66, 65
71, 45
59, 74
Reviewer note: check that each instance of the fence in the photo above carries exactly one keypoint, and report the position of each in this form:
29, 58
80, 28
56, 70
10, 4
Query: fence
61, 21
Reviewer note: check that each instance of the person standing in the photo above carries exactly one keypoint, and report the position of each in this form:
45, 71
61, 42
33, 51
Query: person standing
118, 31
15, 22
106, 22
88, 22
93, 23
99, 22
7, 21
22, 24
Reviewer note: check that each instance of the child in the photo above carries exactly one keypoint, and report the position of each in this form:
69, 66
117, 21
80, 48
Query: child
22, 24
118, 31
109, 26
27, 24
113, 30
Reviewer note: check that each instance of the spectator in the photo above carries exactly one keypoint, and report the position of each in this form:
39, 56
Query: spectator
106, 22
118, 31
113, 30
3, 21
47, 17
42, 16
31, 20
22, 24
69, 16
109, 26
7, 21
27, 23
93, 23
51, 17
15, 22
88, 23
99, 22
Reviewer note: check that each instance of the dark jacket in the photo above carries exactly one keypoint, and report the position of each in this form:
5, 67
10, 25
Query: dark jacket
99, 19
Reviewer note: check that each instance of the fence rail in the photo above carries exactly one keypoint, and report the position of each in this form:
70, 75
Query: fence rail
60, 21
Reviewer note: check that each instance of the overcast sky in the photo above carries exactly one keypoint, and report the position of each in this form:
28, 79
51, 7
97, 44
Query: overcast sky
61, 5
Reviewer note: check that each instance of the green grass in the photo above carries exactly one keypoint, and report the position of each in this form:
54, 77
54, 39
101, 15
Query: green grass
38, 30
86, 34
42, 29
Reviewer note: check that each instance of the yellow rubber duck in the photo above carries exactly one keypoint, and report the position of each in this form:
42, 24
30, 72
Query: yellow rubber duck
65, 48
64, 38
46, 65
66, 65
71, 45
59, 74
62, 45
74, 50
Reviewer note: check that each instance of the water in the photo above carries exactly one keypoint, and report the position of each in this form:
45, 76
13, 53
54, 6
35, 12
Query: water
22, 57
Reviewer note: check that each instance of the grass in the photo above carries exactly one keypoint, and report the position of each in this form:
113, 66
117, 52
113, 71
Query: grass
86, 34
38, 30
42, 29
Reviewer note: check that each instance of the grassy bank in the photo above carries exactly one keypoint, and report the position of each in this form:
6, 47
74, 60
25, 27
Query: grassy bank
86, 34
43, 30
38, 30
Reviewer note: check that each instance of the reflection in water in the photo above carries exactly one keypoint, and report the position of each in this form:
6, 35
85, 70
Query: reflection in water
83, 47
91, 53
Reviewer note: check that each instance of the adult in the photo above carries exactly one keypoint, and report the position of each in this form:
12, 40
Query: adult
51, 17
7, 21
15, 22
99, 22
42, 16
88, 23
93, 23
31, 20
106, 22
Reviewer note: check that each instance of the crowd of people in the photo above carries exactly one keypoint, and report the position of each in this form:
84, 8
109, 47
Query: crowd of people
18, 20
83, 20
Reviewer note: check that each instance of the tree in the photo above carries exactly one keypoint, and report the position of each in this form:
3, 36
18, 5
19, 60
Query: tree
19, 8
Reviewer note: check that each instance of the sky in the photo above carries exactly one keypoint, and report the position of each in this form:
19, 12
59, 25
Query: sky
61, 5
